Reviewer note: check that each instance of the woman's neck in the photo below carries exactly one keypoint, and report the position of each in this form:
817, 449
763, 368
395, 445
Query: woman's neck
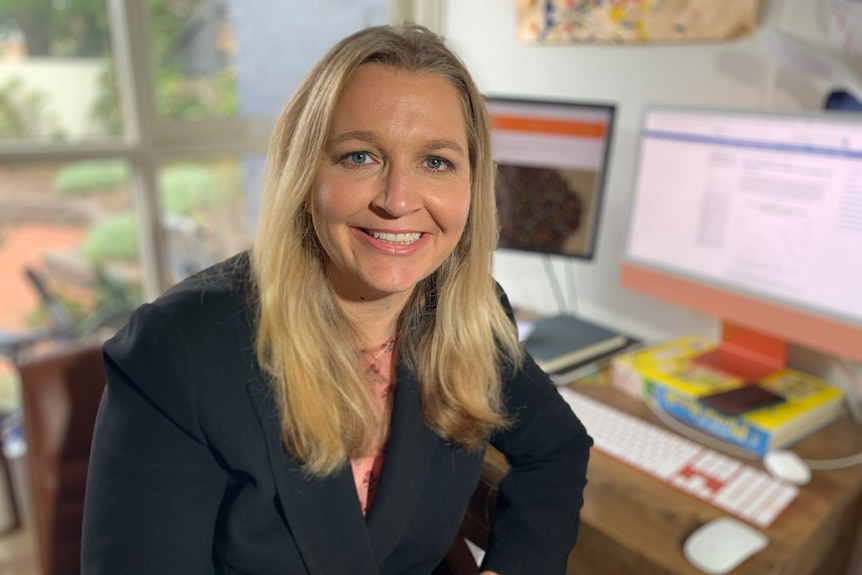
374, 314
375, 321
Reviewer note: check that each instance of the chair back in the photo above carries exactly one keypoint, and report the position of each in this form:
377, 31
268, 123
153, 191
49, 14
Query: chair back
60, 394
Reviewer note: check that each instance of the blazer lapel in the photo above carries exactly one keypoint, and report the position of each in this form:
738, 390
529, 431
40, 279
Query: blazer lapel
409, 452
323, 515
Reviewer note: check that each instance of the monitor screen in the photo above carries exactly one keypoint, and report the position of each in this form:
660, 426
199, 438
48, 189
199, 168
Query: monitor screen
755, 217
551, 159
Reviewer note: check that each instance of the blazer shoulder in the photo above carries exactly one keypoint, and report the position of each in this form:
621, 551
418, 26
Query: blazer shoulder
192, 345
201, 316
227, 281
504, 301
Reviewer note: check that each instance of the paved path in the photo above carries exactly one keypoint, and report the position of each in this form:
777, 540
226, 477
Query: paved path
21, 246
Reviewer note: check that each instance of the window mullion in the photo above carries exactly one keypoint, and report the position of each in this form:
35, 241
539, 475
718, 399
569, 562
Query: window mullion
130, 25
425, 12
24, 152
222, 136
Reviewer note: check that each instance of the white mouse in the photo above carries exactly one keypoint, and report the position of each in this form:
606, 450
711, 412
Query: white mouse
786, 465
720, 545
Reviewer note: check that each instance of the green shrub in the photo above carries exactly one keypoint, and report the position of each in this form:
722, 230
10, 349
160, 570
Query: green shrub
25, 112
184, 188
113, 238
91, 176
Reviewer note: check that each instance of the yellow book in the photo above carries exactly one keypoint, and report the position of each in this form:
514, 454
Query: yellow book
632, 371
668, 375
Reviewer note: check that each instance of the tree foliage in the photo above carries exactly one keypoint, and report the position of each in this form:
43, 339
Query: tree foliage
80, 28
24, 112
75, 28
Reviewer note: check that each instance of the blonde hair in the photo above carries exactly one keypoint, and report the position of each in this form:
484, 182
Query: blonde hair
453, 334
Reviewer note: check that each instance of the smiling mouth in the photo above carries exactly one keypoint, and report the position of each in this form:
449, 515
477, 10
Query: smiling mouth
401, 239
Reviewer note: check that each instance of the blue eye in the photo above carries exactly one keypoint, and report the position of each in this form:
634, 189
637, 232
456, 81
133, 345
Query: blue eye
358, 157
437, 163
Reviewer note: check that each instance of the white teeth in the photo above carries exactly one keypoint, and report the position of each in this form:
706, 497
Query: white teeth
397, 238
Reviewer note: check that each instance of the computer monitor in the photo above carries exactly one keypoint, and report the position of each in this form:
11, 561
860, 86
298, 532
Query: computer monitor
552, 160
755, 218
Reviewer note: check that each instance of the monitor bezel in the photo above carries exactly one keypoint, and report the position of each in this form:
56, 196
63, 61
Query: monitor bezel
600, 189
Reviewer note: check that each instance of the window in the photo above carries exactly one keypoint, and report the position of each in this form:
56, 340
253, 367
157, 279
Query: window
132, 138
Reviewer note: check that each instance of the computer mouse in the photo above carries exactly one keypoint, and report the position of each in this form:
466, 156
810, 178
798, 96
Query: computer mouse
718, 546
785, 464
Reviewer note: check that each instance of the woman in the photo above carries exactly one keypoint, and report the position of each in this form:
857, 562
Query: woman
321, 405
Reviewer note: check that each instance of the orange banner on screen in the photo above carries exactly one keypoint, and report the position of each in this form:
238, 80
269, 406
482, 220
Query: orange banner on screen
545, 126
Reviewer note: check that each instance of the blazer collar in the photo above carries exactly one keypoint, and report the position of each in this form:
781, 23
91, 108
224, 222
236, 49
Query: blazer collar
324, 516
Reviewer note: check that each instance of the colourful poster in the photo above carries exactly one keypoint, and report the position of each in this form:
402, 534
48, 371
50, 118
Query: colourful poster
630, 21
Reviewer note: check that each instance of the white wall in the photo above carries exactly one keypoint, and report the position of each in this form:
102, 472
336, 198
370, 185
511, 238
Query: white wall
737, 73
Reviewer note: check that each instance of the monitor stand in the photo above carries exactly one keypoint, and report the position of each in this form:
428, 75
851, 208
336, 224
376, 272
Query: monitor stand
744, 352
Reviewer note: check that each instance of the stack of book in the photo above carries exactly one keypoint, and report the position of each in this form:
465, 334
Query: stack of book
787, 404
566, 346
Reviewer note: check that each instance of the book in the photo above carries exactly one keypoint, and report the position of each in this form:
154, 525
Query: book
674, 355
592, 368
562, 342
669, 377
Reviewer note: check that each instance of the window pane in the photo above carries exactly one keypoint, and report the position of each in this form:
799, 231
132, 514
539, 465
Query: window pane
204, 211
57, 81
71, 225
229, 58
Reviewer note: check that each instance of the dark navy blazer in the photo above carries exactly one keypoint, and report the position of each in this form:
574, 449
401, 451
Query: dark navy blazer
188, 474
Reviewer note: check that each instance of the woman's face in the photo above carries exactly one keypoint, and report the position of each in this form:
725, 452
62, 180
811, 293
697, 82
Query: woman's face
392, 190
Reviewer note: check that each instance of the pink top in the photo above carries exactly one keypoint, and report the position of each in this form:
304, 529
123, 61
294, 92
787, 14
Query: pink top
366, 470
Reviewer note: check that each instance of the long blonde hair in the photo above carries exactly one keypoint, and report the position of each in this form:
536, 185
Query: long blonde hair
453, 334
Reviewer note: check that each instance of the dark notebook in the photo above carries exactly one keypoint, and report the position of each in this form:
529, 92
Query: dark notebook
562, 341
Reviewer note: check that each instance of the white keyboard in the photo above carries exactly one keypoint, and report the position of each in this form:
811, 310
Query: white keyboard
740, 489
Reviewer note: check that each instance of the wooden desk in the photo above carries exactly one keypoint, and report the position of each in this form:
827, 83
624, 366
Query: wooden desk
633, 523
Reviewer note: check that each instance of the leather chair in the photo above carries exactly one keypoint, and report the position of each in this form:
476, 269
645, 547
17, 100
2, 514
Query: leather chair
459, 560
60, 394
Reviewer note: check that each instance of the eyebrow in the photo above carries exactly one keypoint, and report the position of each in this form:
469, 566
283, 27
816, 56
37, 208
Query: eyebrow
362, 135
445, 144
370, 137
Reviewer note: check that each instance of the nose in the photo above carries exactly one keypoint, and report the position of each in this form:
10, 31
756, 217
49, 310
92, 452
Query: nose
400, 194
